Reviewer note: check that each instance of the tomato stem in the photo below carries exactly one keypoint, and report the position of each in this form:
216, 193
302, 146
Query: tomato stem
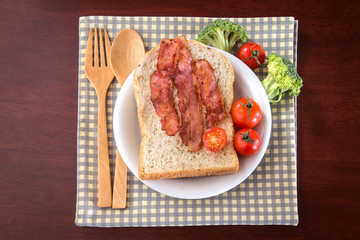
246, 137
254, 54
248, 105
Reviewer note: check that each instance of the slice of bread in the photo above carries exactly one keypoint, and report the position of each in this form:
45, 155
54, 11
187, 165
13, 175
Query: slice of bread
164, 157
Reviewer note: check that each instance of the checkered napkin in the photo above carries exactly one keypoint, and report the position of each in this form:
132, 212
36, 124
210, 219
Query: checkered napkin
267, 197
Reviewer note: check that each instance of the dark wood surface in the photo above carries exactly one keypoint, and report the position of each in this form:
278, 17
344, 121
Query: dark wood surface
38, 109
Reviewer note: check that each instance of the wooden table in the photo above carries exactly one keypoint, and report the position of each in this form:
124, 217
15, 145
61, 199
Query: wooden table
38, 106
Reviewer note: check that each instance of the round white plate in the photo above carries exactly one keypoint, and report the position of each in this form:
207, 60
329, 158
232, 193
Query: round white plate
128, 138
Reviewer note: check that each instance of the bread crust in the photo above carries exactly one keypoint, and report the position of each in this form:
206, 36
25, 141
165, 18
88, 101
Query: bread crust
165, 157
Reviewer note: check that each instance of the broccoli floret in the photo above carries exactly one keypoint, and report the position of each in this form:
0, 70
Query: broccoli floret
222, 34
282, 76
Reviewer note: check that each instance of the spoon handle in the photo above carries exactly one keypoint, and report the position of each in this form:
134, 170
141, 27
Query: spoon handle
120, 183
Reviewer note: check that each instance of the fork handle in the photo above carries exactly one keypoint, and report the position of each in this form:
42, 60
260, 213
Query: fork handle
104, 177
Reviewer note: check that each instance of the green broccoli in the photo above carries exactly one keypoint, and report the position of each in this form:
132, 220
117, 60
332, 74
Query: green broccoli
222, 34
282, 76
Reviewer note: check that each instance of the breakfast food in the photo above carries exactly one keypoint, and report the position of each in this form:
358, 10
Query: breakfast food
189, 103
210, 93
182, 88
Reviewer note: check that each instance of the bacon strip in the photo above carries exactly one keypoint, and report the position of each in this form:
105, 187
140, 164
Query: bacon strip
196, 85
162, 88
168, 56
210, 93
190, 106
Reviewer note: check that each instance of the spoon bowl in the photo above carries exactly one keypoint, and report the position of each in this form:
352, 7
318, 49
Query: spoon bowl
126, 53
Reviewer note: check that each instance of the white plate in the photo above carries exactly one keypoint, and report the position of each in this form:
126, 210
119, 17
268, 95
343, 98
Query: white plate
128, 138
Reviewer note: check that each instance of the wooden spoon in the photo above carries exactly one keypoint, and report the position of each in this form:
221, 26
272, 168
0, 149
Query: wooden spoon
126, 53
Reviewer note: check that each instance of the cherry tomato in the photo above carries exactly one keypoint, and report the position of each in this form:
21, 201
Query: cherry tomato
247, 142
252, 54
246, 113
214, 139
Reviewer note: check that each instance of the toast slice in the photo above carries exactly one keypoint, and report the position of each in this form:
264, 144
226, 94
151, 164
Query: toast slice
165, 157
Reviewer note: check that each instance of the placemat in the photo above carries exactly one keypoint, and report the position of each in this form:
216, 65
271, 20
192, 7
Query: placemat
267, 197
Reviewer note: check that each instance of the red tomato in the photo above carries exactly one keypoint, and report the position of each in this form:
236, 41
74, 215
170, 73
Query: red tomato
252, 54
247, 142
214, 139
246, 113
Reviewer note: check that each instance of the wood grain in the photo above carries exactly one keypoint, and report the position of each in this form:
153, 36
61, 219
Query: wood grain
100, 75
120, 183
127, 50
38, 110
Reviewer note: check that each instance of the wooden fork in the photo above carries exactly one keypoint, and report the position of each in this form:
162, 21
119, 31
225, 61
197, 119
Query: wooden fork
98, 71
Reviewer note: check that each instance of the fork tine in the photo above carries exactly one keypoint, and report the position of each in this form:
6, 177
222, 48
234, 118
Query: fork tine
96, 48
89, 49
102, 53
107, 46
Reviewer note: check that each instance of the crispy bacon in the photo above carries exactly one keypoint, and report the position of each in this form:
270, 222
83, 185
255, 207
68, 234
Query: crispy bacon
190, 106
163, 101
168, 56
162, 88
196, 85
210, 93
